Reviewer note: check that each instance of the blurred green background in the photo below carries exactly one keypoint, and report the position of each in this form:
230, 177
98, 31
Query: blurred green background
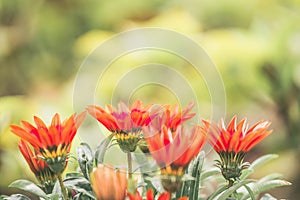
254, 44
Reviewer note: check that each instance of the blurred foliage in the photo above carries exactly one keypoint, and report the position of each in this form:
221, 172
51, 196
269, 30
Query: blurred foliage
254, 44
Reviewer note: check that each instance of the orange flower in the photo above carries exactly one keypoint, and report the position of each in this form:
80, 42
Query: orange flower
237, 137
175, 148
126, 123
173, 151
169, 116
53, 142
173, 116
108, 183
123, 119
45, 176
232, 144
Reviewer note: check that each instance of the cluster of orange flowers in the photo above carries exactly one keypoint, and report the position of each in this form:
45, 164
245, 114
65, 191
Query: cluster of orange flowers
160, 130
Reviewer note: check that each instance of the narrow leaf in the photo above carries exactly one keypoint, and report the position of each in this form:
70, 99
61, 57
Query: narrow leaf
246, 173
29, 187
101, 149
216, 193
208, 173
269, 177
194, 188
262, 160
80, 185
85, 159
258, 188
55, 196
230, 190
15, 197
250, 192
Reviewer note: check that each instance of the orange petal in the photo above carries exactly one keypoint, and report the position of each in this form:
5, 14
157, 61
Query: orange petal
39, 123
24, 135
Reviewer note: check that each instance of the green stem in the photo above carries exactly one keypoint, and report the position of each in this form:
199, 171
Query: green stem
129, 160
62, 186
230, 183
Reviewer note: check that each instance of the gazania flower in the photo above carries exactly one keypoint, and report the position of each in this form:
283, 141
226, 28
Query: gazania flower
233, 142
170, 116
108, 184
150, 196
125, 123
53, 142
173, 151
42, 172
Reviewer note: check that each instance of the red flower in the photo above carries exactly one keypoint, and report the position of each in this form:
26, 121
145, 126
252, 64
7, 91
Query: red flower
175, 148
53, 142
108, 183
173, 151
173, 116
232, 144
123, 119
237, 137
125, 123
150, 196
45, 176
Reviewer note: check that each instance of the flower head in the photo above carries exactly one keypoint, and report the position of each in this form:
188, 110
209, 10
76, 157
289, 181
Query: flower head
125, 122
53, 142
173, 151
108, 183
42, 172
233, 142
172, 116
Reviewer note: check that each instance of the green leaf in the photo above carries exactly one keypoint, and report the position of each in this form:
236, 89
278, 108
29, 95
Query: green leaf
56, 189
262, 160
250, 192
208, 173
101, 149
148, 170
246, 173
85, 159
233, 188
196, 172
15, 197
29, 187
80, 185
190, 187
216, 193
54, 196
269, 177
260, 187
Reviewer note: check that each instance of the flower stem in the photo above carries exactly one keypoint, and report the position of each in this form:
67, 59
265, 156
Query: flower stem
131, 186
129, 160
230, 183
62, 186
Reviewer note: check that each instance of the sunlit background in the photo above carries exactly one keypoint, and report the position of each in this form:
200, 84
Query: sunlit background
255, 45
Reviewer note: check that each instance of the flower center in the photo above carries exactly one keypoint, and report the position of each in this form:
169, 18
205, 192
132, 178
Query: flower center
128, 142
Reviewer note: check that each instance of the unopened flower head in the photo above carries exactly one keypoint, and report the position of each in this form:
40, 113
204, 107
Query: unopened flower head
108, 183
